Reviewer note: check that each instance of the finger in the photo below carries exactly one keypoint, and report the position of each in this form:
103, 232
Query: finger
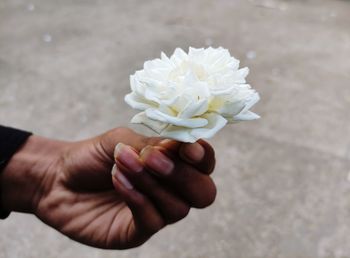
200, 154
194, 187
172, 207
192, 152
171, 146
147, 219
207, 164
106, 142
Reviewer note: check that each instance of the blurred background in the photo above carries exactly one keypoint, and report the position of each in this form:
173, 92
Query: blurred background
283, 181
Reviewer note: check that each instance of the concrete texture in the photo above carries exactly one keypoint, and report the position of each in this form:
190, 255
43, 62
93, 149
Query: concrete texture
283, 181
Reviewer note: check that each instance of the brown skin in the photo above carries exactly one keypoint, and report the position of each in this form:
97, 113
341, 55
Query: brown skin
69, 186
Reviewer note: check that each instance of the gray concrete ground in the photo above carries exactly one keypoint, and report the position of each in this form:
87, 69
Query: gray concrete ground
284, 189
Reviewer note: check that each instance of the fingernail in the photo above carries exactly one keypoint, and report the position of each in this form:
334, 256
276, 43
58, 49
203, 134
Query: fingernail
126, 155
117, 148
166, 142
157, 161
114, 170
194, 151
123, 180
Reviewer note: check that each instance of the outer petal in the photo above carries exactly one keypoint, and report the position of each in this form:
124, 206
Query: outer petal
156, 126
216, 123
247, 116
241, 74
170, 101
178, 56
136, 85
188, 123
165, 58
178, 133
138, 102
231, 108
196, 54
152, 95
251, 102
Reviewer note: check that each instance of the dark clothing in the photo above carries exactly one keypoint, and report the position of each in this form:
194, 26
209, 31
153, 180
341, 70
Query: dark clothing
10, 141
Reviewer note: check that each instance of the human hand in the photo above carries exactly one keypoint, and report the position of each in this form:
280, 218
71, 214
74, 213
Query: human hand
69, 185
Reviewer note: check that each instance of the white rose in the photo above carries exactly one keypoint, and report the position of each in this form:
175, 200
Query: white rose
191, 96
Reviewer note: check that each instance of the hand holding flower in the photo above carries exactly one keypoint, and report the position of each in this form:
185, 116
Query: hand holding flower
72, 190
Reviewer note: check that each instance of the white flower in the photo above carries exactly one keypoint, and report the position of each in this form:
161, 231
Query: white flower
191, 96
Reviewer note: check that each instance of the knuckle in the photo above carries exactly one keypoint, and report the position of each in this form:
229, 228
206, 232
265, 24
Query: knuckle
146, 142
152, 140
120, 131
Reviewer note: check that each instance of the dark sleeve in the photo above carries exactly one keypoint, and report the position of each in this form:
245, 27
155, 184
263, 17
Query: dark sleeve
10, 141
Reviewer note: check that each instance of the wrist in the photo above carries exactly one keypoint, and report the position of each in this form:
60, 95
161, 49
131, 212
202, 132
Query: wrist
23, 177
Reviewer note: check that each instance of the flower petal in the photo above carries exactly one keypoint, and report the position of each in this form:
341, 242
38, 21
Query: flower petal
215, 123
138, 102
246, 116
194, 109
223, 90
156, 126
188, 123
179, 56
178, 133
231, 108
251, 102
241, 74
